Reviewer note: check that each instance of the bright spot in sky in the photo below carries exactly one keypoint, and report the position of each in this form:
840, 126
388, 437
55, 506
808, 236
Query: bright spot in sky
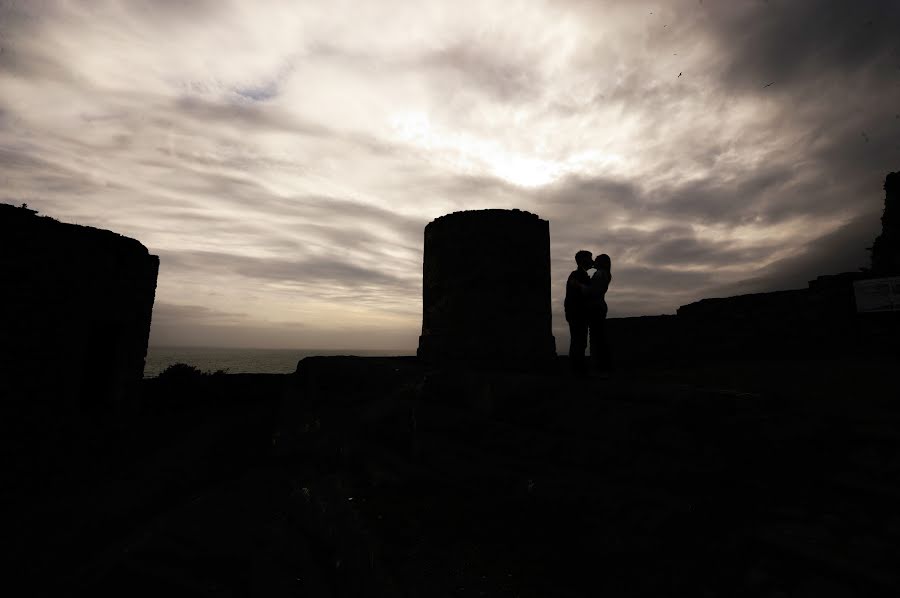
475, 155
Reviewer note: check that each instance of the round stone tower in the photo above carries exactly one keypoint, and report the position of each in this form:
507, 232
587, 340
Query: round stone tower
486, 290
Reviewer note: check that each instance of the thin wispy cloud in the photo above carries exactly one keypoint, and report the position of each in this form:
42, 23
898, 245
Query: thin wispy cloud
283, 158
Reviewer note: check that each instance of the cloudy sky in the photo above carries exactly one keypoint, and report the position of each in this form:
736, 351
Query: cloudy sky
283, 157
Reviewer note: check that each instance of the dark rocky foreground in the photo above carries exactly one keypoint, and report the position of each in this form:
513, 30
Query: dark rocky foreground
378, 477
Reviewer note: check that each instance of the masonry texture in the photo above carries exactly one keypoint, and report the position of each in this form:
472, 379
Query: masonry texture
75, 313
486, 289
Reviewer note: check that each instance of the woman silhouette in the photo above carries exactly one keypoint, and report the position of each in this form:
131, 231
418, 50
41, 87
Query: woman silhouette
597, 310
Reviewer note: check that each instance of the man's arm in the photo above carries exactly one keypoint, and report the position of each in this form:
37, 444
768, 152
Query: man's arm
574, 285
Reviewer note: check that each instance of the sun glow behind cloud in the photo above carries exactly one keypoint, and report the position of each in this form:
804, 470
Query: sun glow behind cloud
473, 156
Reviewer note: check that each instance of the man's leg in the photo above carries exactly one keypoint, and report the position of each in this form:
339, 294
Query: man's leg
578, 333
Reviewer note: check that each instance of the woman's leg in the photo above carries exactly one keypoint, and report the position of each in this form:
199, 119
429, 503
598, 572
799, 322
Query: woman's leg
599, 343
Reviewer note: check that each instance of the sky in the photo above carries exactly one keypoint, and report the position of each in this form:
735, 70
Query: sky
283, 157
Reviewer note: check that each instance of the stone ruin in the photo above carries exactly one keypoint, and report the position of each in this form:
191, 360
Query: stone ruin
824, 319
75, 313
886, 248
486, 290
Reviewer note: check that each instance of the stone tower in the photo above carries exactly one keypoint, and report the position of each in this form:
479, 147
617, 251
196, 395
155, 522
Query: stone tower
75, 312
486, 290
886, 248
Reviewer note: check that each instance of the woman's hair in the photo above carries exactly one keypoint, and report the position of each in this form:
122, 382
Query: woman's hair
603, 262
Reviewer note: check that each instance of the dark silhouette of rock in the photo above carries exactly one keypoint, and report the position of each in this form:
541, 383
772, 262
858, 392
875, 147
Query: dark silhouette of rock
886, 248
486, 289
75, 313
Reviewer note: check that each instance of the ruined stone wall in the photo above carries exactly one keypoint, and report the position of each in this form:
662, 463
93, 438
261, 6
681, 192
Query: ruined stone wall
75, 312
759, 324
886, 248
486, 289
820, 320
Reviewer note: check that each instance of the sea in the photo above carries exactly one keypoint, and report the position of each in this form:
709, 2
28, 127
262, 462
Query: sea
242, 361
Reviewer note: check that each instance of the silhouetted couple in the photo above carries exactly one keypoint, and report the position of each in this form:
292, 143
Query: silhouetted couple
586, 312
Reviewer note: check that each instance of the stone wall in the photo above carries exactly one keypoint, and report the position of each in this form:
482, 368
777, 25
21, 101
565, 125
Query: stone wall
818, 321
759, 324
886, 248
486, 289
75, 313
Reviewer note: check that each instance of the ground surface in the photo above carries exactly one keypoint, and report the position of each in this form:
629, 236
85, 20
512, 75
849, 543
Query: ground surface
370, 477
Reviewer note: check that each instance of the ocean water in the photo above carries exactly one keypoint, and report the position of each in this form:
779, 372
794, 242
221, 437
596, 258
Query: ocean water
240, 361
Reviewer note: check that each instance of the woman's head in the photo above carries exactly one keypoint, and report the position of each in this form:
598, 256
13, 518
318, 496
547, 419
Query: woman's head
602, 262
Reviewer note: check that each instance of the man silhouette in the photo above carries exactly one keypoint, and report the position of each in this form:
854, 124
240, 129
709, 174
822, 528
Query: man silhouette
577, 312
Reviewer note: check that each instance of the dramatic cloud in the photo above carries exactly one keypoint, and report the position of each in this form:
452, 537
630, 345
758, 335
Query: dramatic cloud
283, 157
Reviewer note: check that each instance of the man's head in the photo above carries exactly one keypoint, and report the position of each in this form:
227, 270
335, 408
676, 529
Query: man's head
584, 259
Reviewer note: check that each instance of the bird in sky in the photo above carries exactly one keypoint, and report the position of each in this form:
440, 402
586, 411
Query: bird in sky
765, 86
679, 74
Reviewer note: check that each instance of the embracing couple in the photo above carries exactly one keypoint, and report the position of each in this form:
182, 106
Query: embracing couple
586, 311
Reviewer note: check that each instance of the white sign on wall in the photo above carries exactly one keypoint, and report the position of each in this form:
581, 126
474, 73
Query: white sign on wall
877, 294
